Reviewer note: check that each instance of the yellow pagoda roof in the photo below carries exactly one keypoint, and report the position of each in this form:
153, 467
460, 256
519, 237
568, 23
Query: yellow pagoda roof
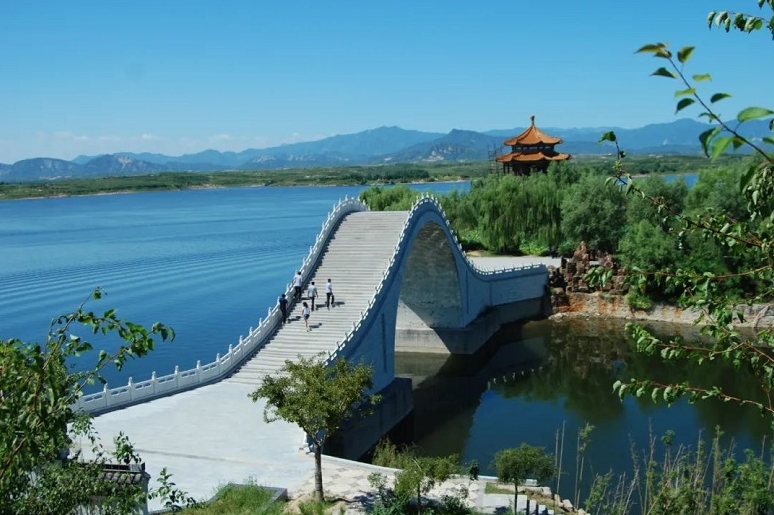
531, 157
532, 136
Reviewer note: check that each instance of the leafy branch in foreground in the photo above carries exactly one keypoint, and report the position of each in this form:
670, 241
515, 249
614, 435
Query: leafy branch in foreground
742, 21
37, 423
748, 240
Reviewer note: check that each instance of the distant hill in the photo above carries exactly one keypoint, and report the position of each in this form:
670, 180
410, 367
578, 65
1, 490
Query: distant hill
375, 146
458, 145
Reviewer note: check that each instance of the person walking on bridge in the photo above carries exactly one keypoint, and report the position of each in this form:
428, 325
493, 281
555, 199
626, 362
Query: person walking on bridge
298, 284
329, 299
283, 307
312, 293
305, 314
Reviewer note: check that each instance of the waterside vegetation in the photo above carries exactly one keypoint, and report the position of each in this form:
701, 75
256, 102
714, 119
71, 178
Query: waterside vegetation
330, 176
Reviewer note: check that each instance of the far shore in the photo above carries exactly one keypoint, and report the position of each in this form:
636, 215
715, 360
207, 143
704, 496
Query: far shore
219, 186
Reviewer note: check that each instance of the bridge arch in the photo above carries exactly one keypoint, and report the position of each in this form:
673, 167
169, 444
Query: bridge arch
430, 282
430, 295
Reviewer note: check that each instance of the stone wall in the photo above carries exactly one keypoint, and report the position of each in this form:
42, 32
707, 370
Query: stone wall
568, 278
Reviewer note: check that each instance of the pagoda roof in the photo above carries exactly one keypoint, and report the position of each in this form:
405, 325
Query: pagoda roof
531, 157
532, 136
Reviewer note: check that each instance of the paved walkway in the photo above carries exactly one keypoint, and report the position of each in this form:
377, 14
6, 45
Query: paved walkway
204, 449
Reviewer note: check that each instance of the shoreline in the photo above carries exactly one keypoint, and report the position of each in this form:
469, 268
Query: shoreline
598, 305
215, 186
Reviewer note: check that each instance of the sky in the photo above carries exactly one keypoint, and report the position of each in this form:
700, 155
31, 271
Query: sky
181, 76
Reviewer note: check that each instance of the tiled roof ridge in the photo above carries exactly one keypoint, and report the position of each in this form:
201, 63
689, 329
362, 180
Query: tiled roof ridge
532, 136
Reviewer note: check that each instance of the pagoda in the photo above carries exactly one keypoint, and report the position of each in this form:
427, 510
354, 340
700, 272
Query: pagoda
531, 150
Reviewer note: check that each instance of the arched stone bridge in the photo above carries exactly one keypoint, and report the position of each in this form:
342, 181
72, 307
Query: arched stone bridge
392, 272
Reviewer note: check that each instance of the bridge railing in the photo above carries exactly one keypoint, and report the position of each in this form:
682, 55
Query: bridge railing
224, 364
343, 347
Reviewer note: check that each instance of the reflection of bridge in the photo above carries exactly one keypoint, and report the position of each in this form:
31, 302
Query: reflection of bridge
390, 270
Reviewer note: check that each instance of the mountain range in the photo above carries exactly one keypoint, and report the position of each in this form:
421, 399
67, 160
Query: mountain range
384, 145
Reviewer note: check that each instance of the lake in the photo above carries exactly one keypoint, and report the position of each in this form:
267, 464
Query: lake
535, 379
207, 262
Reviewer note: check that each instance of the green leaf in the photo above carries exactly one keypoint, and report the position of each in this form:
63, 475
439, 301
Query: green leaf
650, 49
608, 136
685, 53
753, 113
684, 92
706, 136
702, 77
663, 72
719, 145
718, 96
682, 104
768, 140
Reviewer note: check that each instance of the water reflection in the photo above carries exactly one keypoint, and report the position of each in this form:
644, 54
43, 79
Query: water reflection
530, 380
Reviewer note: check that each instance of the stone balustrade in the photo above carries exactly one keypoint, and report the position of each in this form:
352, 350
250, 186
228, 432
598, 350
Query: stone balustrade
224, 364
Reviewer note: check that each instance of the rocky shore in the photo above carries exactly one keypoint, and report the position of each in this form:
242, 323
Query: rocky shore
607, 305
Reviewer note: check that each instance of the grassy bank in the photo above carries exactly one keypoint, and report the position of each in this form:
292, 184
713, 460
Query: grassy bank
333, 176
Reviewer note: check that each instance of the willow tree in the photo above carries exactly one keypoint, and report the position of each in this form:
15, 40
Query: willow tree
514, 209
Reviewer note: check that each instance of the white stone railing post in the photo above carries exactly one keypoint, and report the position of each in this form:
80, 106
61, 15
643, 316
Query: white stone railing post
130, 387
106, 393
177, 377
153, 382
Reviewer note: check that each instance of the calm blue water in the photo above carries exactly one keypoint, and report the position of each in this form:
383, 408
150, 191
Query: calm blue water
206, 262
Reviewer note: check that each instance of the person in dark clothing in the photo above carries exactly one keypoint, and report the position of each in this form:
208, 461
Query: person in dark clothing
283, 306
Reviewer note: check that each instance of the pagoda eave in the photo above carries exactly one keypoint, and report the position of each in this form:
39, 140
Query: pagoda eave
521, 157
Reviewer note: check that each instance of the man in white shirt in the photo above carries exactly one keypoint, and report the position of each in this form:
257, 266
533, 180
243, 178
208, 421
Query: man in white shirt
312, 293
298, 284
329, 299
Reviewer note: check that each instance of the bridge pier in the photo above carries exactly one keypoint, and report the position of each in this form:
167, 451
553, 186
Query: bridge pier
468, 340
355, 440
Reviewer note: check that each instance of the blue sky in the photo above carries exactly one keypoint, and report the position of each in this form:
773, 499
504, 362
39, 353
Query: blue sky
175, 76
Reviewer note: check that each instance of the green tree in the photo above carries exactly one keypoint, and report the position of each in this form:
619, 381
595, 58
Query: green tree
418, 474
317, 398
747, 238
600, 223
37, 423
518, 464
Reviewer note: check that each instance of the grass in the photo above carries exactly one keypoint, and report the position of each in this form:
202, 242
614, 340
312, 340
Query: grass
240, 500
500, 488
497, 488
255, 500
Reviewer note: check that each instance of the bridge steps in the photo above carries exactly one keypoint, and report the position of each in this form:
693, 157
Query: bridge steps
355, 259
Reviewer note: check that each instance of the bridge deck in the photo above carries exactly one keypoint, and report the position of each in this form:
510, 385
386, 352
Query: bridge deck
355, 260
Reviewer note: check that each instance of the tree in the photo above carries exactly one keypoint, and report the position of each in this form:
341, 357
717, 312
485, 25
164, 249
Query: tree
600, 223
518, 464
746, 238
317, 398
417, 476
37, 423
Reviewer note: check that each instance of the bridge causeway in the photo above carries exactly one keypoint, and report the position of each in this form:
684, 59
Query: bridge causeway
391, 271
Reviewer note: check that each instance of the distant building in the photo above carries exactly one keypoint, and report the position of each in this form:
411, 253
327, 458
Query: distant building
532, 150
